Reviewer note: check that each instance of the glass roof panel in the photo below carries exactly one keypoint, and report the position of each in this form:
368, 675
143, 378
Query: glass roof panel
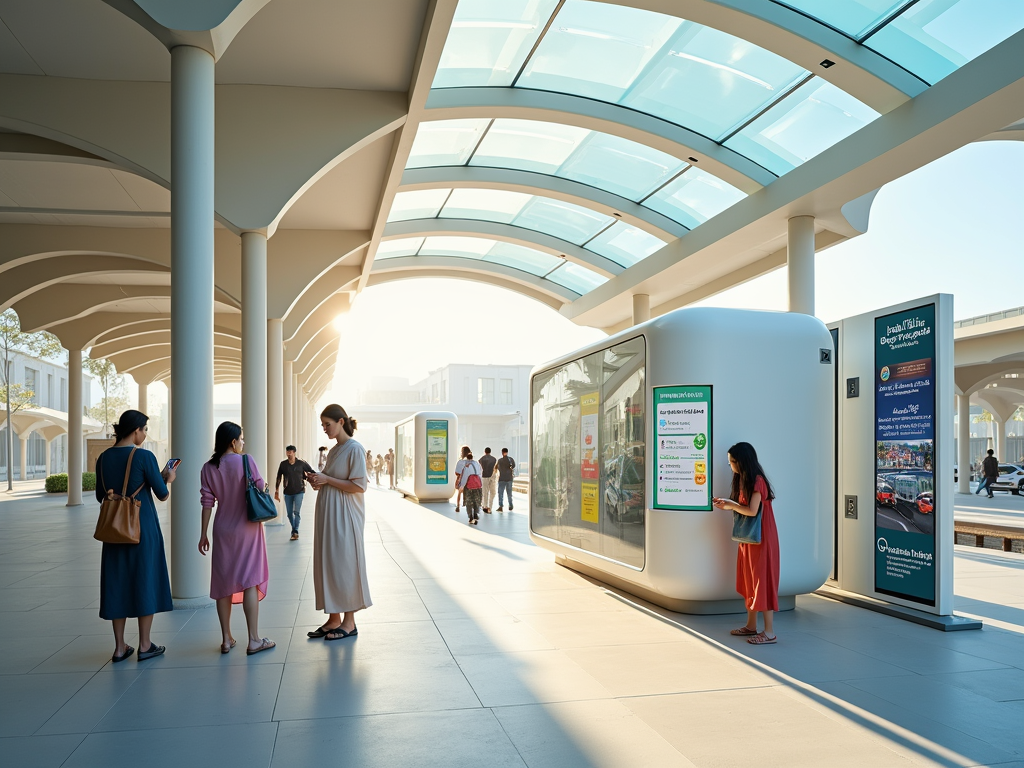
485, 204
445, 142
694, 198
392, 249
933, 38
576, 278
625, 244
528, 145
711, 81
466, 247
597, 50
680, 71
621, 166
489, 40
418, 204
569, 222
805, 123
520, 257
854, 17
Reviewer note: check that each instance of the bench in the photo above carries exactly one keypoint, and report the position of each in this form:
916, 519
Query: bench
981, 530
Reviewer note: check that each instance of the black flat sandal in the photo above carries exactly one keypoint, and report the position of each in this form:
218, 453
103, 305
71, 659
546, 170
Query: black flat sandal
341, 634
154, 651
128, 651
319, 632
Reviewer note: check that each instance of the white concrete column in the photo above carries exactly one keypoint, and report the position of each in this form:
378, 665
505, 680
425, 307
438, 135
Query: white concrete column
254, 347
22, 460
288, 408
49, 461
143, 397
963, 443
75, 415
999, 427
275, 406
800, 259
192, 281
641, 308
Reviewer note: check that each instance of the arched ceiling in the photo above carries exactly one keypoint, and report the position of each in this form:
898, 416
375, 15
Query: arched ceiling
576, 152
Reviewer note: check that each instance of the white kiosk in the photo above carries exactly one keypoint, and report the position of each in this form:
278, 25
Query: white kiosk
425, 455
630, 440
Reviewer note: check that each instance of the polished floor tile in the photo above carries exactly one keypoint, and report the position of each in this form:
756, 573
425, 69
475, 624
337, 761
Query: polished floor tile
38, 751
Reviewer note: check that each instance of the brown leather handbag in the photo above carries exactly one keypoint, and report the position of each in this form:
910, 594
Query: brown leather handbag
119, 514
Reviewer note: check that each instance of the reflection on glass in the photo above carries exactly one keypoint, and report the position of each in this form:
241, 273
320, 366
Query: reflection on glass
564, 220
489, 40
854, 17
466, 247
528, 145
485, 204
683, 72
625, 244
577, 278
806, 123
405, 459
445, 142
620, 166
694, 198
418, 204
588, 468
933, 38
522, 258
392, 249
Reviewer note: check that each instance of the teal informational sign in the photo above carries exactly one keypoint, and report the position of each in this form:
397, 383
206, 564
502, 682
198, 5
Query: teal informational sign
682, 447
437, 451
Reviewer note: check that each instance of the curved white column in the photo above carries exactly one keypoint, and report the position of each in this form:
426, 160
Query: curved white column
143, 397
49, 462
641, 308
254, 347
963, 443
288, 408
275, 393
999, 426
74, 427
192, 280
23, 458
800, 259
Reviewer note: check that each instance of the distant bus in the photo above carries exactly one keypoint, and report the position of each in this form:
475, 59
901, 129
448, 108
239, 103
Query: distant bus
907, 486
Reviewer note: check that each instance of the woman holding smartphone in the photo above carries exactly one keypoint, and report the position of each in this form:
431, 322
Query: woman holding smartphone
757, 565
133, 577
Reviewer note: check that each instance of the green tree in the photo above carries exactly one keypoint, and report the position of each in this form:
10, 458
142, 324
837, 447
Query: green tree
14, 340
115, 392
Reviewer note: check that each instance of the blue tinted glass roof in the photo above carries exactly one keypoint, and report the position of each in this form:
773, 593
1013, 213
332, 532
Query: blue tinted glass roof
853, 17
392, 249
419, 204
625, 244
694, 197
445, 142
576, 278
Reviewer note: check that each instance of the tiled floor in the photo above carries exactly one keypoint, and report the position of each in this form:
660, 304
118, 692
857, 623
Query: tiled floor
479, 651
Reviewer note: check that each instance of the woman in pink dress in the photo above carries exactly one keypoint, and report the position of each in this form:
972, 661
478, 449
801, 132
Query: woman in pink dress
757, 565
239, 569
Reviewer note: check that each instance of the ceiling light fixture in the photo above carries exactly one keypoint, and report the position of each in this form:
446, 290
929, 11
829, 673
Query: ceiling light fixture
827, 63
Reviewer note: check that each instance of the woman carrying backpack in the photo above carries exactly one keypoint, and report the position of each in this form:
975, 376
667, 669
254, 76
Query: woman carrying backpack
471, 483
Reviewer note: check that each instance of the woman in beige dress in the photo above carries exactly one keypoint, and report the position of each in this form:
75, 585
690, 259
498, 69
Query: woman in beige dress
339, 563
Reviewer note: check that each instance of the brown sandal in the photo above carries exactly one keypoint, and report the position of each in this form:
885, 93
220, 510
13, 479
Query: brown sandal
743, 631
762, 639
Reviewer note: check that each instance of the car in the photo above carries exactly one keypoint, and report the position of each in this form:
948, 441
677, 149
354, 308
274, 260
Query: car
925, 503
884, 496
1011, 478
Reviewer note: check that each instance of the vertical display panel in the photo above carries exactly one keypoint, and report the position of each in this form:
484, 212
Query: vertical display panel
682, 444
437, 451
905, 455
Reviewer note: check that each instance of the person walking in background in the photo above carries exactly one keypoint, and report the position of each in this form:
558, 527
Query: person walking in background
990, 472
506, 471
339, 563
471, 481
490, 477
390, 458
458, 476
369, 465
239, 571
293, 471
322, 458
133, 577
378, 466
757, 565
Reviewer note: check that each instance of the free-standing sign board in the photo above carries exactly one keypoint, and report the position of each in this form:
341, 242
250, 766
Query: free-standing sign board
682, 445
905, 506
437, 451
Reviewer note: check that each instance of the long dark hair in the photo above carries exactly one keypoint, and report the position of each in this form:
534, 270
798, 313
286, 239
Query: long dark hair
227, 433
743, 481
335, 412
128, 423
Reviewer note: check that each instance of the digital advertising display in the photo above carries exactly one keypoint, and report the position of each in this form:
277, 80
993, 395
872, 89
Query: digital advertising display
437, 451
905, 455
682, 446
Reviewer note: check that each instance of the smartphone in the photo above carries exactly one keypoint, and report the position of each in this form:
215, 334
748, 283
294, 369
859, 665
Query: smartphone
172, 464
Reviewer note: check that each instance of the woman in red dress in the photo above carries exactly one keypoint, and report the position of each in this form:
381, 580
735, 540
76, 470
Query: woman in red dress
757, 565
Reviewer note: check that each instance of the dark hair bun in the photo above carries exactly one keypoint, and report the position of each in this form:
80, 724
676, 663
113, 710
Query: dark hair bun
128, 423
335, 412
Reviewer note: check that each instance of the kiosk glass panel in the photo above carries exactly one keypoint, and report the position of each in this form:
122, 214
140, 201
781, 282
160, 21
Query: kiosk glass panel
404, 460
589, 474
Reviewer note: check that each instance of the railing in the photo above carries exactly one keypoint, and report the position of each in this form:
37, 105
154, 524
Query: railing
991, 318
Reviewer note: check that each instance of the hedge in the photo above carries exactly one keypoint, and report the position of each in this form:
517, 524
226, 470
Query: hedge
59, 483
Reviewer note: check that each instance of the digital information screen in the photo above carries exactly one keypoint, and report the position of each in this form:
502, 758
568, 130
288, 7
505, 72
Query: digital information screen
682, 447
905, 455
437, 451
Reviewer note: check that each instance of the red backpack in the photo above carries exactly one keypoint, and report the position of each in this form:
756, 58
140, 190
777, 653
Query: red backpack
474, 480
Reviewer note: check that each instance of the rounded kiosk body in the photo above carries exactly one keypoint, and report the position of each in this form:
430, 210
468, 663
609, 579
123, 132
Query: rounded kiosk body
425, 455
629, 445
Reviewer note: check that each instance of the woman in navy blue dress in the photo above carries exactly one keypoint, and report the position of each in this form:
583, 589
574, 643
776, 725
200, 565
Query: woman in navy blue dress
133, 577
